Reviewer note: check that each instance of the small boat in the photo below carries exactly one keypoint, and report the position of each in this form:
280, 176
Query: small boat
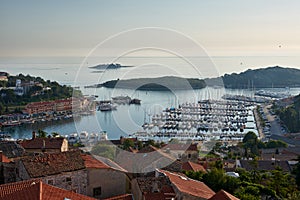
72, 138
93, 138
83, 137
106, 106
103, 136
5, 136
121, 99
135, 101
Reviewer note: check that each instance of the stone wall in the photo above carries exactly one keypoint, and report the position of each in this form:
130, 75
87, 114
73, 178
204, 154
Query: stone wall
112, 182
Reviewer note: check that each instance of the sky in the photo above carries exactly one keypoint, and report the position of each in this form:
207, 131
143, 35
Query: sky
222, 28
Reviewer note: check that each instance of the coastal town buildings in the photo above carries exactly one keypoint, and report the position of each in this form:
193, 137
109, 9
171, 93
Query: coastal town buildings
62, 105
64, 170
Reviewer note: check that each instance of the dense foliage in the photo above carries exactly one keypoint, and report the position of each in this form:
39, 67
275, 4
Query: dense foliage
159, 84
250, 185
36, 93
261, 78
290, 115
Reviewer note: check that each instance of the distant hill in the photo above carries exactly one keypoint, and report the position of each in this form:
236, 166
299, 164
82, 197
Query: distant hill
156, 84
260, 78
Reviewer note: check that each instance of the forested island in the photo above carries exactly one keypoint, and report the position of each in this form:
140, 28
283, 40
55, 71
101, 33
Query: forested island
166, 83
278, 77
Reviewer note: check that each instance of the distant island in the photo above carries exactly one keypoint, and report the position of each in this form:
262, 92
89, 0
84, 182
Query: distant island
109, 66
278, 77
166, 83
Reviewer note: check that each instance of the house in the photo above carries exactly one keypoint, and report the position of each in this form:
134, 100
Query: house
144, 161
52, 144
11, 149
152, 188
105, 180
191, 166
64, 170
37, 190
266, 165
183, 152
223, 195
186, 188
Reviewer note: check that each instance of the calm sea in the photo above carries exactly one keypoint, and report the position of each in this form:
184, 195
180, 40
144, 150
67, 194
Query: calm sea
128, 119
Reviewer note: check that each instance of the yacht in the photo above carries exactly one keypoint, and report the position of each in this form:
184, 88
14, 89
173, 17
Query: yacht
84, 137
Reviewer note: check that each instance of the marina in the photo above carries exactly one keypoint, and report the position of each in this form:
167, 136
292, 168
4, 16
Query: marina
205, 120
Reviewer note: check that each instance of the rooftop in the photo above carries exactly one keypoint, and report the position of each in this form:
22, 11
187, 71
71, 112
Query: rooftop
11, 149
53, 163
156, 188
121, 197
223, 195
189, 186
37, 190
91, 162
39, 143
265, 165
191, 166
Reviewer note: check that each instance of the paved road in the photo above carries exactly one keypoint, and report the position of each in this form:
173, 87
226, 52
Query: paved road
275, 125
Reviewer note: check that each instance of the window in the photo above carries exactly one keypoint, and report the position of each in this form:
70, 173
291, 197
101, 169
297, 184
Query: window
96, 191
189, 155
68, 179
50, 182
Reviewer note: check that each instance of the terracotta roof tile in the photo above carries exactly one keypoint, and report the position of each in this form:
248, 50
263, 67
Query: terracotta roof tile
91, 162
3, 158
38, 143
189, 186
121, 197
37, 190
223, 195
191, 166
53, 163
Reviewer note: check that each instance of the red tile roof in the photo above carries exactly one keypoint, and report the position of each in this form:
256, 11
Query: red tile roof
189, 186
223, 195
191, 166
91, 162
121, 197
53, 163
3, 158
37, 190
38, 143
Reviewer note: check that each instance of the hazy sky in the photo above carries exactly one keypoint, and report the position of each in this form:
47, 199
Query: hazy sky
227, 27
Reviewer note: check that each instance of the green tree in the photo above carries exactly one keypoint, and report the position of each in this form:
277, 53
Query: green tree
42, 134
127, 144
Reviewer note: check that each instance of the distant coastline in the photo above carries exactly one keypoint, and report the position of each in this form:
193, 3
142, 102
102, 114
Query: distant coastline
277, 77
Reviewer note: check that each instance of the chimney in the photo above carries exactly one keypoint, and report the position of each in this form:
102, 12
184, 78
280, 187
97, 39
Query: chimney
33, 135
